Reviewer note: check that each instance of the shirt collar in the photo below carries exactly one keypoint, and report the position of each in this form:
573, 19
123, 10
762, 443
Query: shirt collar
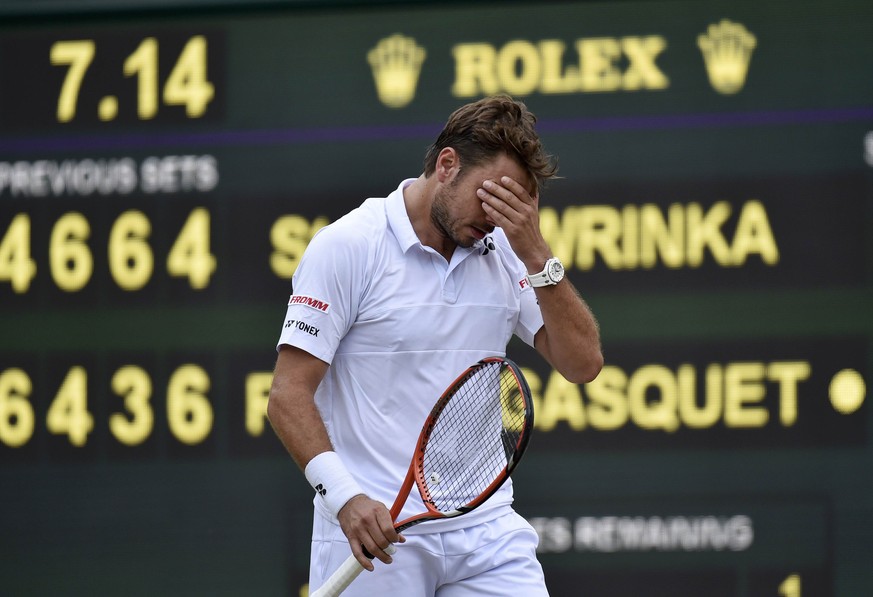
401, 226
398, 219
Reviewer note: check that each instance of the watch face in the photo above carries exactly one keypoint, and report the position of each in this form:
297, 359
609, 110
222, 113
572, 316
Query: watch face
556, 271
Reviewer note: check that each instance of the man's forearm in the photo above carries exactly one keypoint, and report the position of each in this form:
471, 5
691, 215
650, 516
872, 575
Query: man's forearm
299, 427
570, 339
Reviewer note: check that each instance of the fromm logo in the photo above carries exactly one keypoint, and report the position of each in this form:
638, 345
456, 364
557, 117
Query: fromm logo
299, 299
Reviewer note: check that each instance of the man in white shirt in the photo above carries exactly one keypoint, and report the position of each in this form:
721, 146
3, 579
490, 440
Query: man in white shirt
391, 302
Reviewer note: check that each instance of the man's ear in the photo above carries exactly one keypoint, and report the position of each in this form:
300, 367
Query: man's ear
448, 165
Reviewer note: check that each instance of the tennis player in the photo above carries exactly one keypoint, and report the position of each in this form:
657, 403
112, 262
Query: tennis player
390, 303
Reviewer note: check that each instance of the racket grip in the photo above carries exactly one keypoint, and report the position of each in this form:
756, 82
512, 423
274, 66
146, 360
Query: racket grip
343, 576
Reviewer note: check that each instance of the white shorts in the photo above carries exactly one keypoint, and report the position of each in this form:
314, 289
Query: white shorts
494, 558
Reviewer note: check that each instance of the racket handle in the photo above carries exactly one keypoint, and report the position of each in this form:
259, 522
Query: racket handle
344, 575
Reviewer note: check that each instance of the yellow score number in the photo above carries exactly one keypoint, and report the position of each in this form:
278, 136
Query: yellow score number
131, 259
790, 587
187, 84
189, 413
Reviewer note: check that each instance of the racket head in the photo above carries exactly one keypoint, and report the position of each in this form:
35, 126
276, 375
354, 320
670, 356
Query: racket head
473, 439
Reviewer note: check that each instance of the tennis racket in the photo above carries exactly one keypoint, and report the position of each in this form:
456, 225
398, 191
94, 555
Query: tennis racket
469, 445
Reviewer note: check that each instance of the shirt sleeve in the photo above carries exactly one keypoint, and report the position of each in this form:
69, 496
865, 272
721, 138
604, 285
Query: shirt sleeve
326, 292
530, 318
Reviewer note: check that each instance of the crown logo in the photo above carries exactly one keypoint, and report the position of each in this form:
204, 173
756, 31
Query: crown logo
396, 64
727, 50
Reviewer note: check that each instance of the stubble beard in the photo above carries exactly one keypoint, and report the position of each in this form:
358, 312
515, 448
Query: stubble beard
444, 223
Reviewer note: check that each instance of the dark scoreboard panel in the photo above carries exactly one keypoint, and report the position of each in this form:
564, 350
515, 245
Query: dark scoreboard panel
160, 176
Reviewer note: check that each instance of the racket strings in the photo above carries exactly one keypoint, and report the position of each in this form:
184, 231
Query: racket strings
475, 438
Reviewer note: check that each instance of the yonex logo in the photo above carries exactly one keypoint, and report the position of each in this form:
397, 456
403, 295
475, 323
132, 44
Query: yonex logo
487, 245
321, 489
299, 299
302, 326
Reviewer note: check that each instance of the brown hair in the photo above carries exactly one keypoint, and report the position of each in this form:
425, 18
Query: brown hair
483, 129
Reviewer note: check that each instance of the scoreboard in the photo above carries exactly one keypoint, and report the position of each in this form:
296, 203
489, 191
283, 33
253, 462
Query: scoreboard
161, 173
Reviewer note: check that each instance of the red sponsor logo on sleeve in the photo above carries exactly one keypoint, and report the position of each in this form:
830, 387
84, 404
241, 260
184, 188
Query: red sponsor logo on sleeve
523, 283
318, 305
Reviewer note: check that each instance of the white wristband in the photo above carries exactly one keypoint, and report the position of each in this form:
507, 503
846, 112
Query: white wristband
332, 481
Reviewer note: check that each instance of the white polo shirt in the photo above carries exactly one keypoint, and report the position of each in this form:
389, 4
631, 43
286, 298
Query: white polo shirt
398, 324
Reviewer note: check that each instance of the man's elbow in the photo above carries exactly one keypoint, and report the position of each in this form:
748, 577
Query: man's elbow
274, 405
586, 369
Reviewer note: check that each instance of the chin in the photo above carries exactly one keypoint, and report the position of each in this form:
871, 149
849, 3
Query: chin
468, 242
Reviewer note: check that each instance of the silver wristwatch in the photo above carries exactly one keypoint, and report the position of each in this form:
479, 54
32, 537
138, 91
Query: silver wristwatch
552, 273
